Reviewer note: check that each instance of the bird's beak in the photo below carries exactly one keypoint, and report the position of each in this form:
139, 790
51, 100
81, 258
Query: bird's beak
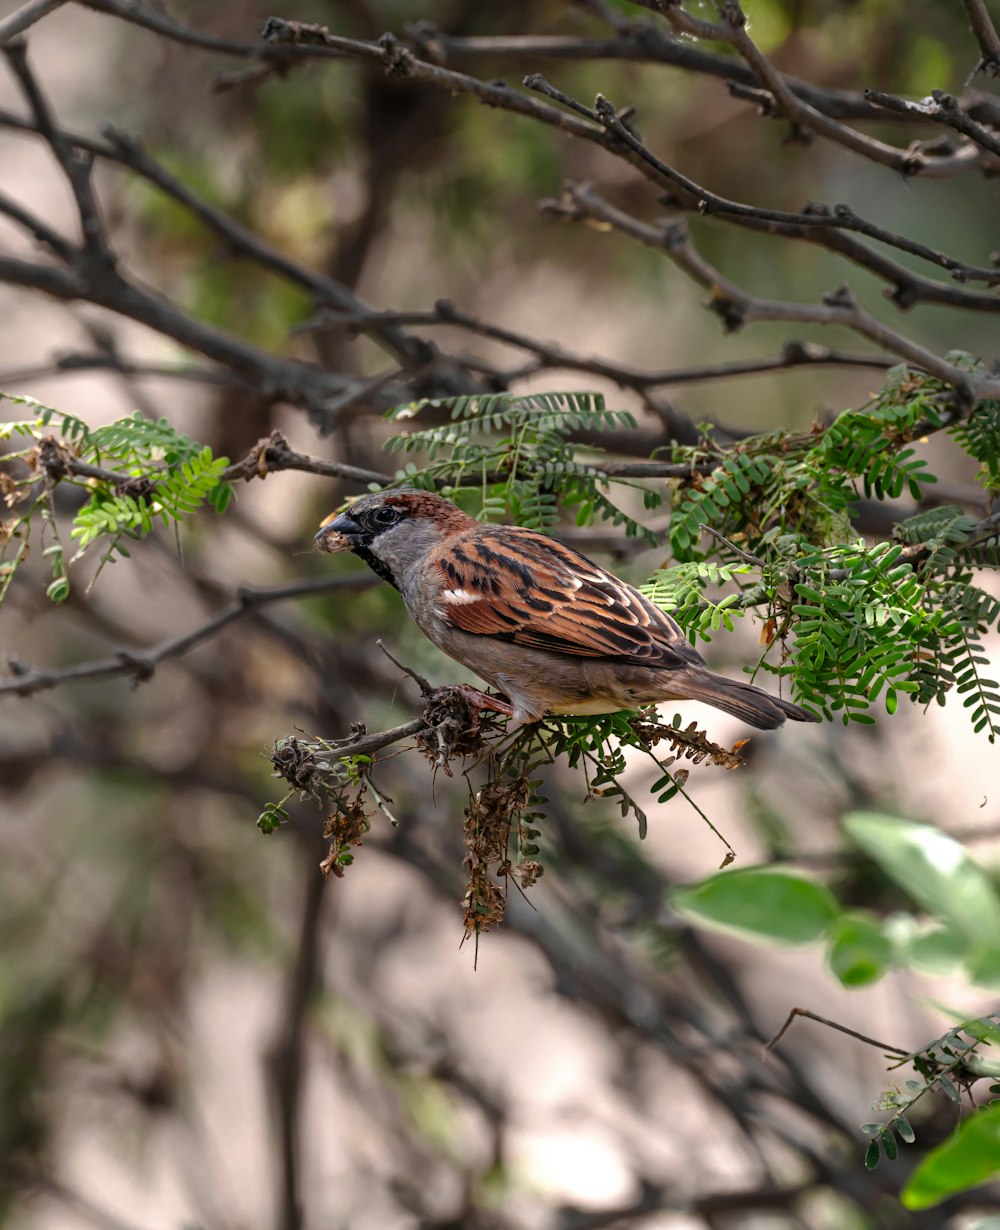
337, 533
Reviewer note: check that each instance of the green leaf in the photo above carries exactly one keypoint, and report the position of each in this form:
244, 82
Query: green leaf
969, 1157
859, 952
272, 817
760, 903
936, 950
937, 872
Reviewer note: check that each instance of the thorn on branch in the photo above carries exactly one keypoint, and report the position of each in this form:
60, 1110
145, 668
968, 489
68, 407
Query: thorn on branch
399, 60
140, 669
842, 297
297, 33
730, 312
764, 100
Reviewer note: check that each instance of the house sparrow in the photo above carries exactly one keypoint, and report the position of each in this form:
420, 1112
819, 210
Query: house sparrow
543, 624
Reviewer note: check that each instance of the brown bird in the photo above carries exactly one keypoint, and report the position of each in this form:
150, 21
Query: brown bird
544, 625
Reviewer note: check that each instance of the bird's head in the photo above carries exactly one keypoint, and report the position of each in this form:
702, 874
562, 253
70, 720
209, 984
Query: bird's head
392, 531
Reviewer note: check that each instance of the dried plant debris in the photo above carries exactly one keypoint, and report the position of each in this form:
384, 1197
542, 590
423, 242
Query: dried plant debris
296, 762
506, 811
344, 828
689, 742
457, 726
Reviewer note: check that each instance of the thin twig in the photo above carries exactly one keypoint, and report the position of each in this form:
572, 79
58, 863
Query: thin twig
822, 1020
553, 356
943, 108
806, 118
24, 17
807, 224
76, 167
637, 43
425, 687
363, 743
986, 35
737, 307
140, 665
76, 363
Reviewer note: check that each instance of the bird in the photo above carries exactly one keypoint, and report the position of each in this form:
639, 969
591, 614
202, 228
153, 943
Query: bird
551, 630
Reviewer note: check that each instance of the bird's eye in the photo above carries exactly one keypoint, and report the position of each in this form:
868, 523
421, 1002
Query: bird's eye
387, 515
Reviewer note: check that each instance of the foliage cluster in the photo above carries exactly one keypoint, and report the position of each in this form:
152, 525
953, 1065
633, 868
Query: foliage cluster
146, 471
847, 622
516, 453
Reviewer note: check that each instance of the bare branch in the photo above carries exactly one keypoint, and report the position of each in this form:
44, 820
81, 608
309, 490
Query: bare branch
95, 254
822, 1020
363, 743
24, 17
639, 42
44, 234
72, 363
944, 108
806, 118
806, 224
140, 665
737, 307
554, 357
273, 454
986, 35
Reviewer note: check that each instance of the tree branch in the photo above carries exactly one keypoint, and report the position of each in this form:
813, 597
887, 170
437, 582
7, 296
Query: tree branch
986, 35
737, 307
554, 357
686, 194
636, 42
944, 108
140, 665
95, 255
733, 30
24, 17
72, 363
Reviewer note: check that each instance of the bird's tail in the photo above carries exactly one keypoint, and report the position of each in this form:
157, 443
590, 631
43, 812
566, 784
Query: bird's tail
743, 700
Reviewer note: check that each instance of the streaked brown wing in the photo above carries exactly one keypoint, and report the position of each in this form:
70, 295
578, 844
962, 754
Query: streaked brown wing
530, 590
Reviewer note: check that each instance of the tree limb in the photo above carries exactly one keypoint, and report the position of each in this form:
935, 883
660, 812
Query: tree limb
140, 665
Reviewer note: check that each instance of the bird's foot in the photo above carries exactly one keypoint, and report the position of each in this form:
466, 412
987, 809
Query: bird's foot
455, 724
479, 700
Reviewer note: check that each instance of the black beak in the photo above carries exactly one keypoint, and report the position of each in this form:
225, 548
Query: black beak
338, 534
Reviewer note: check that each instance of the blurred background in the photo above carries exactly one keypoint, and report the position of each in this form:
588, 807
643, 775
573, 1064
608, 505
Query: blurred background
197, 1030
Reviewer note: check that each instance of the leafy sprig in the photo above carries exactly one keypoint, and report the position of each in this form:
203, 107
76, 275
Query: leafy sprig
517, 453
143, 471
950, 1064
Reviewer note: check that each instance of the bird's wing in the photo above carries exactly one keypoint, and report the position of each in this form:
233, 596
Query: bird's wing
527, 589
